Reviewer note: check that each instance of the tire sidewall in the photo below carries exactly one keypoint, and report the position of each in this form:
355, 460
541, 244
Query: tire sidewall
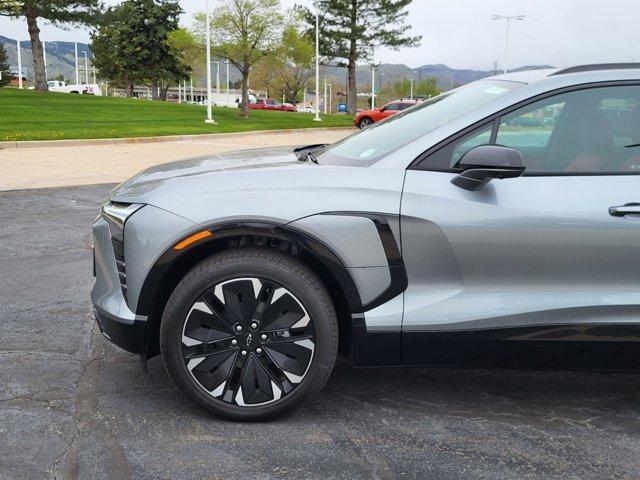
221, 268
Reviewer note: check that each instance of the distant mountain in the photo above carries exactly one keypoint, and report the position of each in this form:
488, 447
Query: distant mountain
446, 77
60, 57
60, 60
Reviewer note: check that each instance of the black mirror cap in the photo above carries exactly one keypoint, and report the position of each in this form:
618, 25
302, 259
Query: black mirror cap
491, 156
486, 162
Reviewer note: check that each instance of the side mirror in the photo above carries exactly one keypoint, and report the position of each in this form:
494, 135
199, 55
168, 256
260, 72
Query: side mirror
486, 162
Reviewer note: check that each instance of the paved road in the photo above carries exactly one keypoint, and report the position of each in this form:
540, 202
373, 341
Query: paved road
73, 406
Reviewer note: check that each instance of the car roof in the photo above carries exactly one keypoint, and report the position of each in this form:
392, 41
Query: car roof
578, 72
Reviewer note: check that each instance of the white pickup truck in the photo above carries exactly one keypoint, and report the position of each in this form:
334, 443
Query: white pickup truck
86, 89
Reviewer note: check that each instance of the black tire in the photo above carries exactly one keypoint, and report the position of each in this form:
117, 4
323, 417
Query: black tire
230, 270
365, 122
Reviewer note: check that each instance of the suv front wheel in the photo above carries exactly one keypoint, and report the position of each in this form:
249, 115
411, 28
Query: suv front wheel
249, 333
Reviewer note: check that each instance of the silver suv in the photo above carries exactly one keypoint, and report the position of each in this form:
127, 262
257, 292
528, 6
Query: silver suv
495, 224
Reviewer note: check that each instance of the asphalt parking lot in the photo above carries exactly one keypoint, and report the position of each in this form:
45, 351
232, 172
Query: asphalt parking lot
74, 406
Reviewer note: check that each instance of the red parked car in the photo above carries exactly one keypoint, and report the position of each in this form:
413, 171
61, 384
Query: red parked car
368, 117
269, 104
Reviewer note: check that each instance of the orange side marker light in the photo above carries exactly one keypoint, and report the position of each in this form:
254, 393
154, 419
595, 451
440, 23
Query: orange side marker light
192, 239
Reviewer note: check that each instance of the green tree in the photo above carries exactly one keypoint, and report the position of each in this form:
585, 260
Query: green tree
5, 72
53, 11
243, 32
187, 49
287, 70
351, 29
131, 45
402, 89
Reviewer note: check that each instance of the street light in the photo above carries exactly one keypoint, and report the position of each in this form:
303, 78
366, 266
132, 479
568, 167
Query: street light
325, 94
217, 76
227, 83
75, 44
19, 64
208, 20
44, 56
373, 86
86, 68
317, 117
508, 18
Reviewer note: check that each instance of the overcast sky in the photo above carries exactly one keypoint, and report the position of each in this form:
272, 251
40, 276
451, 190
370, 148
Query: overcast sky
461, 34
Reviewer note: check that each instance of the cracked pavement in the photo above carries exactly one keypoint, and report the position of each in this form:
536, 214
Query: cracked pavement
73, 406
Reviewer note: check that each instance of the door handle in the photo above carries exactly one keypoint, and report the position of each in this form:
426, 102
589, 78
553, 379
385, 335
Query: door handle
626, 209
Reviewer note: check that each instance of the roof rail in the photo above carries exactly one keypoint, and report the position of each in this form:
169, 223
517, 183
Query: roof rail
597, 66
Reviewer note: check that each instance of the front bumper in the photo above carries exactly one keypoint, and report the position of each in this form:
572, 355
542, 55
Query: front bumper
128, 336
116, 321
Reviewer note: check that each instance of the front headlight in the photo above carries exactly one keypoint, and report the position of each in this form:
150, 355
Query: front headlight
116, 214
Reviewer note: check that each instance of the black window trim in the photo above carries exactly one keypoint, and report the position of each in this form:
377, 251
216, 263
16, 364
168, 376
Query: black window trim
495, 119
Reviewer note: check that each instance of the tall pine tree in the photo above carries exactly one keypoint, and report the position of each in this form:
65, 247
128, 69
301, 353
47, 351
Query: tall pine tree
55, 12
351, 29
131, 45
5, 72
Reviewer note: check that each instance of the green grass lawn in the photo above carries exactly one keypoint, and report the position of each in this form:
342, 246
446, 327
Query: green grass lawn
29, 115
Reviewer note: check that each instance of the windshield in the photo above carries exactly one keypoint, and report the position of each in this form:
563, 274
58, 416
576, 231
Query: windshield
380, 139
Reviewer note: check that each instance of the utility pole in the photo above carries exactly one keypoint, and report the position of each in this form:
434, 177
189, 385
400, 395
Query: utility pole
77, 71
317, 117
506, 39
19, 65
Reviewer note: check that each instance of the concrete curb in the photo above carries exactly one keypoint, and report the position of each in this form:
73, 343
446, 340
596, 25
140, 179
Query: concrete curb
20, 145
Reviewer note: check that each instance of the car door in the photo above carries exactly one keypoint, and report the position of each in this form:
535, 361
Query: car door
552, 254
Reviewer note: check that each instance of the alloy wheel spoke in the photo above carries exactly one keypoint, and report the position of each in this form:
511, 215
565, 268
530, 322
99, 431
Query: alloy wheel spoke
248, 341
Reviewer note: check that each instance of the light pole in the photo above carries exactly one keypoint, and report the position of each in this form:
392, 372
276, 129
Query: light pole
44, 56
411, 92
75, 44
19, 65
227, 83
325, 94
317, 117
86, 68
373, 87
508, 18
217, 77
208, 28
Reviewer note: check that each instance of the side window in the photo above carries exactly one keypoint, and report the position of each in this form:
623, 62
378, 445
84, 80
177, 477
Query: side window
585, 131
404, 106
594, 130
448, 156
391, 107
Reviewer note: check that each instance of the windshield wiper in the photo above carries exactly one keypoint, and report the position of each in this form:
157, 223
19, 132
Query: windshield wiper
306, 154
633, 145
307, 157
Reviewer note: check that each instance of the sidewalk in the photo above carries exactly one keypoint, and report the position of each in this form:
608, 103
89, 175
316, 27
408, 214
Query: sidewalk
58, 166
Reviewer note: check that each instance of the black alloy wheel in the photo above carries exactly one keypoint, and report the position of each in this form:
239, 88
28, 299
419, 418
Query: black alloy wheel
249, 344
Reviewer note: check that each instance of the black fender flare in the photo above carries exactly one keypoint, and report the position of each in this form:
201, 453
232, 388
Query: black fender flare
294, 236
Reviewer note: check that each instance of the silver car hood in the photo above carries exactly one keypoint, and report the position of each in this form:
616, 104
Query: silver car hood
266, 184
